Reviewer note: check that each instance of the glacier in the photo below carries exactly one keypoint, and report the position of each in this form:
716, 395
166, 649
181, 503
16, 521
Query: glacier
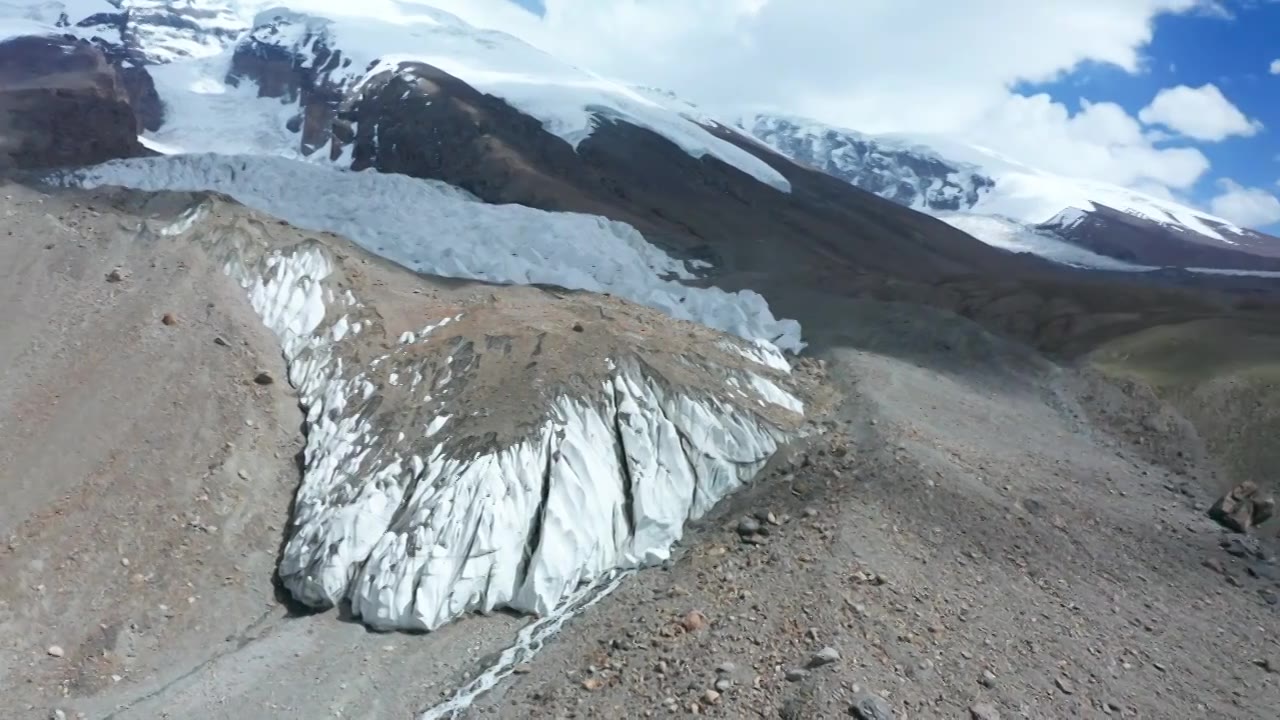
432, 227
415, 528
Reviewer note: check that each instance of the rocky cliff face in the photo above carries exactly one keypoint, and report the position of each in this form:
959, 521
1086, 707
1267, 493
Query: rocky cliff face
289, 57
62, 102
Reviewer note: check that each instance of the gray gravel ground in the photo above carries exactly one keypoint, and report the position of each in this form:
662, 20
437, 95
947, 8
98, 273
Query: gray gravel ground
973, 539
979, 534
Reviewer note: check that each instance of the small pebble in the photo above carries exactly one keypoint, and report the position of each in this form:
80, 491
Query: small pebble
55, 651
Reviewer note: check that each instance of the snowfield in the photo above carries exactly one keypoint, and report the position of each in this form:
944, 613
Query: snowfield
435, 228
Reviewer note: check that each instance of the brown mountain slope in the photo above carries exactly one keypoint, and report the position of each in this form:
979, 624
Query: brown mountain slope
63, 102
823, 241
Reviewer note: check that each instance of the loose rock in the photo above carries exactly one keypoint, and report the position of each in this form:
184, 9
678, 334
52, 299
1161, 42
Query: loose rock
55, 651
593, 683
748, 526
694, 621
825, 656
1242, 508
871, 707
983, 711
169, 319
797, 674
264, 378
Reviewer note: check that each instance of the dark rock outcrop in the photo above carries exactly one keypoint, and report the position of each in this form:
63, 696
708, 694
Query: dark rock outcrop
280, 71
62, 103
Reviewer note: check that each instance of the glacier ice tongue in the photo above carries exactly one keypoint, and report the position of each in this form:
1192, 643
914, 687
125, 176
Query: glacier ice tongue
414, 526
435, 228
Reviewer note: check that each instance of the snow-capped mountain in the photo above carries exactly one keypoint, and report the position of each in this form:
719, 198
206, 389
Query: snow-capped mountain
1009, 204
906, 174
318, 56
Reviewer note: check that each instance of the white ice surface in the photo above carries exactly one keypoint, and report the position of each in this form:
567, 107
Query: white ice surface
435, 228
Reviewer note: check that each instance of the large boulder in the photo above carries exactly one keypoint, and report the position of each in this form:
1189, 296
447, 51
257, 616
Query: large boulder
63, 103
1244, 507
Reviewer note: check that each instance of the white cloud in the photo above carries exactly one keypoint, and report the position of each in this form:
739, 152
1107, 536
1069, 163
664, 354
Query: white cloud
1203, 113
1275, 67
1100, 141
1247, 206
911, 66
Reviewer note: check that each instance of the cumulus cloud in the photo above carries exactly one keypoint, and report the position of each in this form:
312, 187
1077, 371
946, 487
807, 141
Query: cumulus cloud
1101, 141
1247, 206
1203, 113
1275, 67
910, 66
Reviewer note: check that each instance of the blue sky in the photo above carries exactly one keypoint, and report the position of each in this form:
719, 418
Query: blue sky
534, 5
1234, 53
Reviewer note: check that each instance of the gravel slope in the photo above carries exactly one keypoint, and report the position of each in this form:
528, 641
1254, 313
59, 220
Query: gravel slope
980, 530
972, 540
